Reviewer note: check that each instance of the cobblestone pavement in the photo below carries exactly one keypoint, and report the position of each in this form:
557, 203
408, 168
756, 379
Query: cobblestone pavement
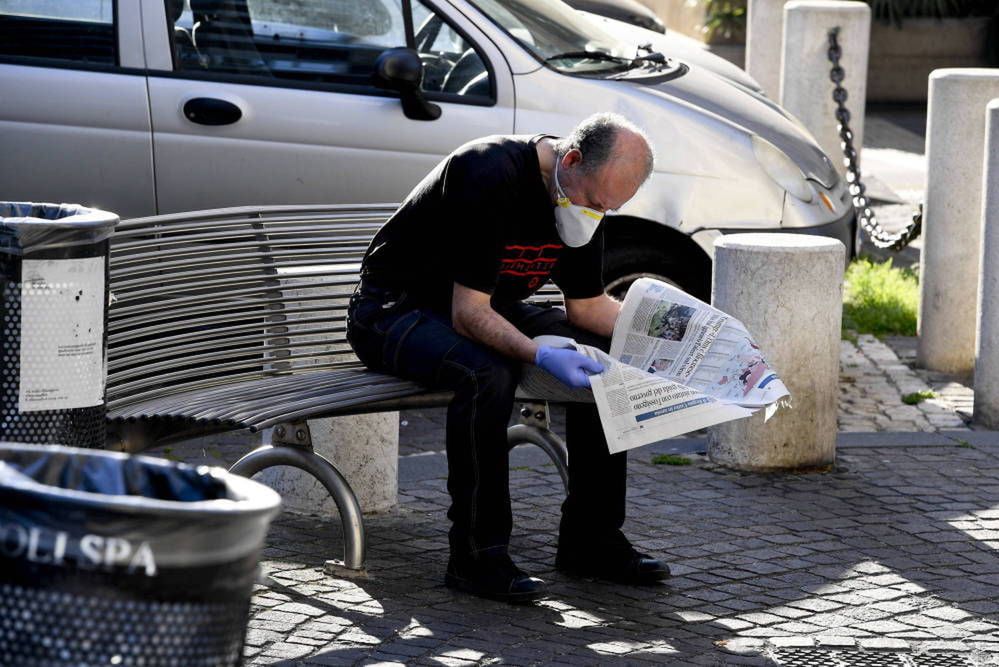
889, 560
875, 376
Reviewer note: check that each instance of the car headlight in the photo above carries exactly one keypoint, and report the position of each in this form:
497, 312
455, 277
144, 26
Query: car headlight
780, 168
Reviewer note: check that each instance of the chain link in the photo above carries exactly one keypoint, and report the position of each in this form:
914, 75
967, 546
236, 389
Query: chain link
865, 215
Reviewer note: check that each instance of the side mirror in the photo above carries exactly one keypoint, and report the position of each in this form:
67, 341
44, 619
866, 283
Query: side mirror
401, 70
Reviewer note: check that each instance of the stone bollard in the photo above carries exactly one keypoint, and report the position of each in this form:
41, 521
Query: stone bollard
805, 88
987, 356
764, 43
365, 448
949, 266
788, 291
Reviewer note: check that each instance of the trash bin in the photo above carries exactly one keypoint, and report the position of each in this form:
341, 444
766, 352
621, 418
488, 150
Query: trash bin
53, 310
111, 559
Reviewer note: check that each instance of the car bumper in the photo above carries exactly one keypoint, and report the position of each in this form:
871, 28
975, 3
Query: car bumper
844, 229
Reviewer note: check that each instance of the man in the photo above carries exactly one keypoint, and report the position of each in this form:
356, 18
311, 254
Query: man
441, 303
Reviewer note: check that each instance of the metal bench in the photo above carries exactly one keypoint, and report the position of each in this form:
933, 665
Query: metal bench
234, 319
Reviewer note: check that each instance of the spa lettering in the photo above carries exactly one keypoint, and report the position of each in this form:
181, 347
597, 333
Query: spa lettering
89, 552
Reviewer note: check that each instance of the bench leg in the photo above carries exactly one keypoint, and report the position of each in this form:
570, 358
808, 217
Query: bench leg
327, 474
534, 429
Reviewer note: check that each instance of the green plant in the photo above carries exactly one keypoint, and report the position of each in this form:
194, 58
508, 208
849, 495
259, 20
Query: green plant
917, 397
724, 19
880, 299
670, 460
964, 444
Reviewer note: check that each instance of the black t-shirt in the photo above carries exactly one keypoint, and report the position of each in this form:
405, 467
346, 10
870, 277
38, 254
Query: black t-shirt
482, 218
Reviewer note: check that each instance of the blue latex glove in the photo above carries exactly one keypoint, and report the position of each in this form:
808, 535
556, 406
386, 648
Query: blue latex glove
570, 367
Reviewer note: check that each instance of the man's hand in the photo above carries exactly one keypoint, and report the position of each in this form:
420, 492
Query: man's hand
570, 367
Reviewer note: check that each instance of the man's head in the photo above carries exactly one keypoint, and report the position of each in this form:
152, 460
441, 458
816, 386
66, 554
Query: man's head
604, 161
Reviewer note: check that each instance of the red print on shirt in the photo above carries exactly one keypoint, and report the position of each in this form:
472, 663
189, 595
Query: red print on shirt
532, 262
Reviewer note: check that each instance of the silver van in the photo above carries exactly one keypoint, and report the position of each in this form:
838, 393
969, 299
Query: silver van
157, 106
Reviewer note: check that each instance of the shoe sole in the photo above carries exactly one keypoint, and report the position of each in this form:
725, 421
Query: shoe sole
457, 583
651, 578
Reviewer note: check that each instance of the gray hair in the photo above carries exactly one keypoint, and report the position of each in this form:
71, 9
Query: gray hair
595, 138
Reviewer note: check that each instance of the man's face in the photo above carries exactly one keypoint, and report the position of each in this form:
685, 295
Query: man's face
607, 189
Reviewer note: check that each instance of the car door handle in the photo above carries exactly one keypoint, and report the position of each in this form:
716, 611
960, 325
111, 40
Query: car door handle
211, 111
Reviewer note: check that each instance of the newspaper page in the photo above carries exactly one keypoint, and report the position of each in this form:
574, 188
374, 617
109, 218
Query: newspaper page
676, 365
665, 331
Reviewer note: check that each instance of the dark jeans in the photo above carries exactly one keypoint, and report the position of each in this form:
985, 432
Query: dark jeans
389, 334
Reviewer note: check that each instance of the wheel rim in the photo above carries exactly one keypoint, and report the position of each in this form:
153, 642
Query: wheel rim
618, 287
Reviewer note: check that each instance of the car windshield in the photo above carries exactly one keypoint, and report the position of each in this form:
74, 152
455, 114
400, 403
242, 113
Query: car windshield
559, 35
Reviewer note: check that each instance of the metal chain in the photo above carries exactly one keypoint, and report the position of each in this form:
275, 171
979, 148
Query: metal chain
865, 215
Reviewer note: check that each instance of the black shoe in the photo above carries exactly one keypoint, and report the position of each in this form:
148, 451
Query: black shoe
614, 560
494, 577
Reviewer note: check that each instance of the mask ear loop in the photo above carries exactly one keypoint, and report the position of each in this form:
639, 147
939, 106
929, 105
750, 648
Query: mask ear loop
561, 199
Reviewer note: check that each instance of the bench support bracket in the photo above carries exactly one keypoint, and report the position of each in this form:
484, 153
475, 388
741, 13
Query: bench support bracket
292, 434
534, 428
327, 474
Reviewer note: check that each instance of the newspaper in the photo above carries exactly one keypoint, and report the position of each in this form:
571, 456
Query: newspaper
676, 365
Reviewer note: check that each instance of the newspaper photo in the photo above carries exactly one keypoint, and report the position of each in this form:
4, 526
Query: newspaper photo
676, 365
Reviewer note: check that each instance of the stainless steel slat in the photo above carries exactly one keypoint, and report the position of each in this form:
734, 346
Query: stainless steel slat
133, 327
138, 392
172, 355
153, 261
202, 299
169, 286
221, 335
196, 376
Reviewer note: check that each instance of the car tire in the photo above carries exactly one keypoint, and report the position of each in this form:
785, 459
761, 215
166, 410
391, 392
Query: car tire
627, 263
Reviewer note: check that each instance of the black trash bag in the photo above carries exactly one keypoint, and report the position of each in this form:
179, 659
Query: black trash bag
134, 476
113, 559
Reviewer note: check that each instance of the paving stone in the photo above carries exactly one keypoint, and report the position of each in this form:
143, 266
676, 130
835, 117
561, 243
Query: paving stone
835, 641
883, 644
791, 642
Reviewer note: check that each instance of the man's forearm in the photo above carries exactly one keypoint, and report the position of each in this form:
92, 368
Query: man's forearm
598, 314
486, 326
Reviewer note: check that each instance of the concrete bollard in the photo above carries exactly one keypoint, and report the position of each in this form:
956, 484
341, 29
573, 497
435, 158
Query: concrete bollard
365, 448
788, 291
986, 410
952, 213
805, 87
764, 43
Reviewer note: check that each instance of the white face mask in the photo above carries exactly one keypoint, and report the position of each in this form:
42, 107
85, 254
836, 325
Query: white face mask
575, 224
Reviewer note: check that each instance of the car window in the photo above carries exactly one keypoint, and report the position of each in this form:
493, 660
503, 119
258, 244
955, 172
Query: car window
559, 36
322, 41
80, 31
450, 63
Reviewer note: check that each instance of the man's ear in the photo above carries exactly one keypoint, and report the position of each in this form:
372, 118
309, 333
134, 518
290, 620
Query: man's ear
572, 158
